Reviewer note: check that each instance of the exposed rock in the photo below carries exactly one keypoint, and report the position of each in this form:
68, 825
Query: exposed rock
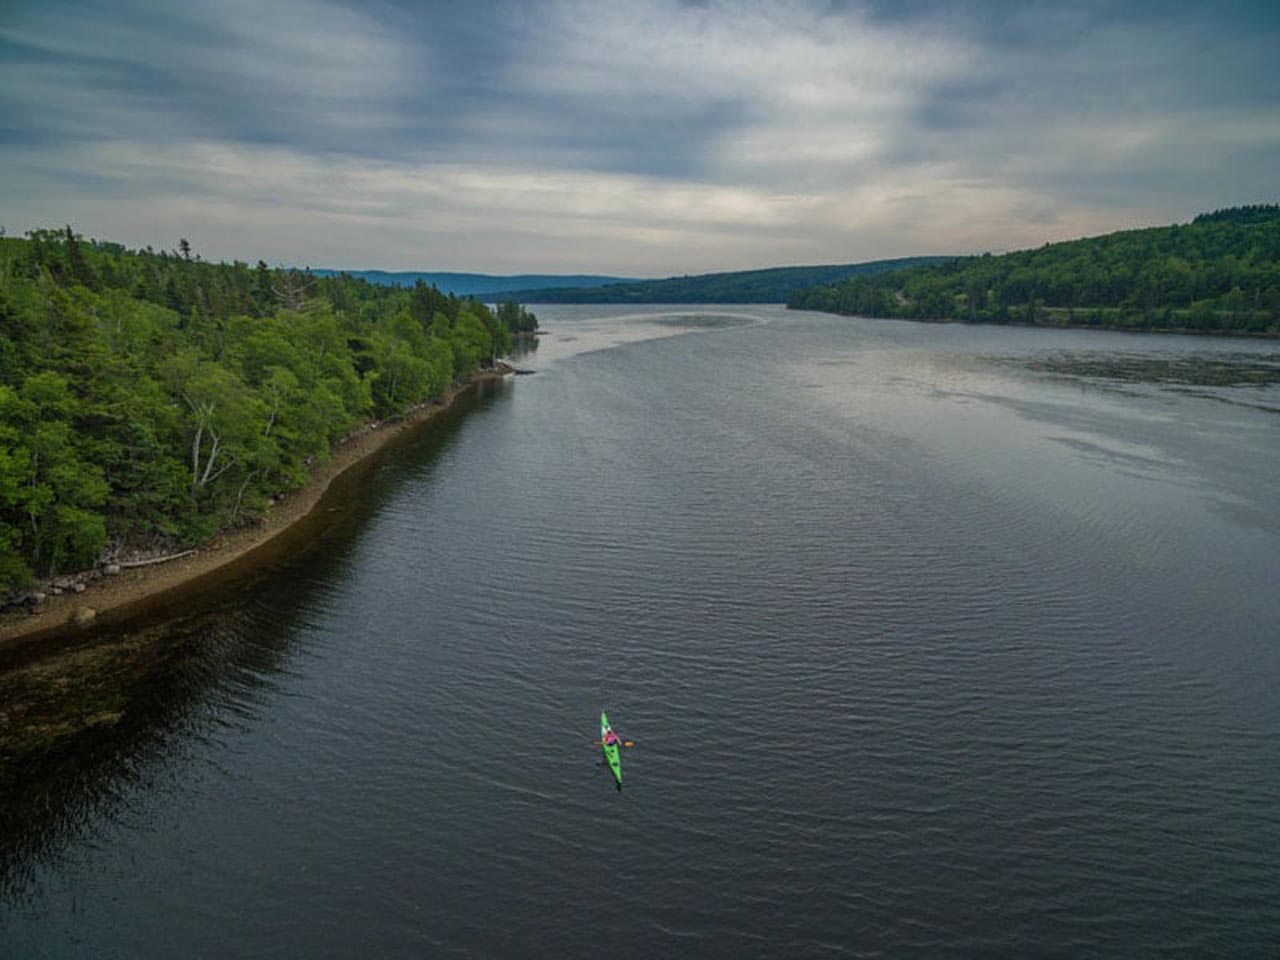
112, 569
77, 587
83, 616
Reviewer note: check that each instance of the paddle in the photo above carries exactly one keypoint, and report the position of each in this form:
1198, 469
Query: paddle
625, 743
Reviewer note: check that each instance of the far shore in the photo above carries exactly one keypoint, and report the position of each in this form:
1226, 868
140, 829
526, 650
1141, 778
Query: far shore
138, 590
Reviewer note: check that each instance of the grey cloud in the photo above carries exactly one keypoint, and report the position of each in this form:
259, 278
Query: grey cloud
165, 72
818, 131
1160, 113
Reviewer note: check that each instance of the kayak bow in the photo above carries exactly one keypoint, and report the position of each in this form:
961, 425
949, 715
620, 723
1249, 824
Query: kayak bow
611, 752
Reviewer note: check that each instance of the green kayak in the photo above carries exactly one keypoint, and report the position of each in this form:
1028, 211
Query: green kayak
610, 750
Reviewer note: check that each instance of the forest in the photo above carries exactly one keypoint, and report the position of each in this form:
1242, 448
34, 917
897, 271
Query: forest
1218, 274
149, 399
484, 286
772, 285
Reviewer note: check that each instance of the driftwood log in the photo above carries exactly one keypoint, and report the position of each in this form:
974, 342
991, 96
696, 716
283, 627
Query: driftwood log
146, 563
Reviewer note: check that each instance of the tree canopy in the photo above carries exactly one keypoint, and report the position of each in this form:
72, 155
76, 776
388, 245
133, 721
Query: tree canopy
148, 399
1220, 273
772, 285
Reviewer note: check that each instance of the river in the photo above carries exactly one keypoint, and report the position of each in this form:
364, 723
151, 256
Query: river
932, 641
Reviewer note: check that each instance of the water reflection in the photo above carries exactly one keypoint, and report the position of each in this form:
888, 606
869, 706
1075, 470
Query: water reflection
522, 348
85, 729
91, 728
968, 669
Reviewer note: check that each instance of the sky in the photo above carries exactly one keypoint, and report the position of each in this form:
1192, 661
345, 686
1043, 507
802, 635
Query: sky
636, 139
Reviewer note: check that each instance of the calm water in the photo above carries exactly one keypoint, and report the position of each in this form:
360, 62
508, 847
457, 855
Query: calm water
933, 641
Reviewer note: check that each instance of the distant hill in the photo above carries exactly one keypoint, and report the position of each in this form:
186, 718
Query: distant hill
772, 285
475, 284
1219, 273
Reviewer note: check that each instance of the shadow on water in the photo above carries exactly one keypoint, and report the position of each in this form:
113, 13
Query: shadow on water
88, 723
706, 321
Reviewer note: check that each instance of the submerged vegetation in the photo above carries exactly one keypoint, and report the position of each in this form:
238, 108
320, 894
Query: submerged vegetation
149, 399
1227, 370
1217, 274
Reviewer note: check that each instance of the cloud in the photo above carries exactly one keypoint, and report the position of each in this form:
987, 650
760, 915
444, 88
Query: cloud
649, 138
296, 71
745, 92
251, 201
229, 198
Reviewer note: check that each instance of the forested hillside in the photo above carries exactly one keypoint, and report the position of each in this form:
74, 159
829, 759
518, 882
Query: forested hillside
1219, 273
482, 286
773, 285
148, 399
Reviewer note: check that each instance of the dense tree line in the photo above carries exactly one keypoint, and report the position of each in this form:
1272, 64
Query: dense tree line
148, 399
1250, 213
515, 318
482, 286
1219, 273
773, 285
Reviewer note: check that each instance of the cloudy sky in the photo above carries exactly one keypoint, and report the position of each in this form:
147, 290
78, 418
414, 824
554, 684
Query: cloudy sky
642, 139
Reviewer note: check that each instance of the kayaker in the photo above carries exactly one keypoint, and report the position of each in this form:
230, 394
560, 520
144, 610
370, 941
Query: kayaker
610, 737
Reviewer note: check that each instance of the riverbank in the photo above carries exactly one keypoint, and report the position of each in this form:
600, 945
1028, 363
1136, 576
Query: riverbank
133, 591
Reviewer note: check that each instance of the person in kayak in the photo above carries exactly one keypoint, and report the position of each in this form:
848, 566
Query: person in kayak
611, 738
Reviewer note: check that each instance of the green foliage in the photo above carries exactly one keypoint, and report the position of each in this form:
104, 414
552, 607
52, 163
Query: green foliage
515, 318
471, 342
1251, 213
774, 285
1220, 273
149, 399
49, 485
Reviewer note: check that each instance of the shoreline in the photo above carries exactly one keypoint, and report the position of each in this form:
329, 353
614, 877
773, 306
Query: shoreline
109, 600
